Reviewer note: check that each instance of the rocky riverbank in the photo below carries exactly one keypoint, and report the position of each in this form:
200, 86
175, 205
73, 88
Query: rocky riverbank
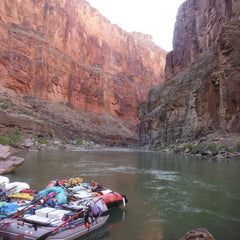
217, 145
23, 117
43, 144
8, 162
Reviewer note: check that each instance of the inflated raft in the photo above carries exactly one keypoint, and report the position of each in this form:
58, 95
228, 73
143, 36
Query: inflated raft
76, 188
62, 223
12, 230
112, 199
17, 186
11, 192
13, 186
60, 194
4, 180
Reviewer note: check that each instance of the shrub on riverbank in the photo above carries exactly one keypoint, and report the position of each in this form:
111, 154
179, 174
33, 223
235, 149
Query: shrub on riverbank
227, 146
14, 138
42, 140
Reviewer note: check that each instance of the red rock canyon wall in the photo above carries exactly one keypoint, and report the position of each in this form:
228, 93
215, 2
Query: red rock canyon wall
65, 51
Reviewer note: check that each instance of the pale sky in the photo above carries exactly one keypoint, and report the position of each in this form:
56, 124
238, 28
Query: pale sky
154, 17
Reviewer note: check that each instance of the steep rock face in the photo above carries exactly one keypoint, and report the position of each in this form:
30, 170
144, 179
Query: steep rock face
201, 94
65, 51
198, 26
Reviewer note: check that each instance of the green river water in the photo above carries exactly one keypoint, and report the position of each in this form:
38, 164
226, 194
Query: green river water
168, 194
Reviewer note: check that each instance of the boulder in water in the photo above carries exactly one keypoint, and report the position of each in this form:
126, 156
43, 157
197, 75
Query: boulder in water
198, 234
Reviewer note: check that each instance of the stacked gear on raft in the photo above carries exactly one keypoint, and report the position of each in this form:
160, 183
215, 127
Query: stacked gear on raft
66, 209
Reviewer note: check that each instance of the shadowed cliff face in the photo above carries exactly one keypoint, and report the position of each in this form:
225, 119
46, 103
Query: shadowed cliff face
198, 27
65, 51
201, 93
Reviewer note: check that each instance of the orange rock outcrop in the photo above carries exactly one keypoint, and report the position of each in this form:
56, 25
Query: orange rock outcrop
65, 51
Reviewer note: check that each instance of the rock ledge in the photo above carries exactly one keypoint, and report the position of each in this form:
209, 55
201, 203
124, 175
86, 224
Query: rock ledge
8, 162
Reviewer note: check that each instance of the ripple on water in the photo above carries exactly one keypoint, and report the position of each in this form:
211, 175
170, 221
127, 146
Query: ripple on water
204, 185
163, 175
157, 188
105, 171
122, 169
210, 187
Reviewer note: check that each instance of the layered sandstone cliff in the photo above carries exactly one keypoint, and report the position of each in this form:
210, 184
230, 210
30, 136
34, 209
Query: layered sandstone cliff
201, 94
64, 51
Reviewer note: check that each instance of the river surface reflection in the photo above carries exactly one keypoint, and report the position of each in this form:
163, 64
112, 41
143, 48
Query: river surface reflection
168, 194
